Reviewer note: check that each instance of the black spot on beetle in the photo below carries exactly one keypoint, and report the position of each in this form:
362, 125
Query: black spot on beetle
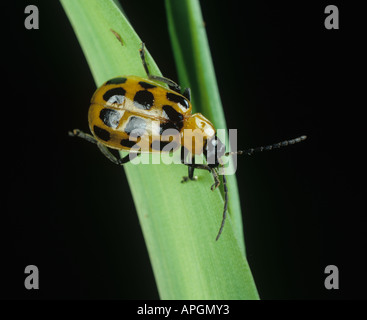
170, 125
110, 117
136, 124
118, 80
101, 133
178, 99
146, 85
172, 114
144, 99
115, 95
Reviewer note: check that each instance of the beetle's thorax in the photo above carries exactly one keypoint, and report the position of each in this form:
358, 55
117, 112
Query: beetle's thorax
214, 150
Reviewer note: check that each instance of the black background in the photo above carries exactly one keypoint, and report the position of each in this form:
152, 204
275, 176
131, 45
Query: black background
280, 73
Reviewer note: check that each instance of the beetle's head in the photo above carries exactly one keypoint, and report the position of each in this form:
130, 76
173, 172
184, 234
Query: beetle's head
214, 150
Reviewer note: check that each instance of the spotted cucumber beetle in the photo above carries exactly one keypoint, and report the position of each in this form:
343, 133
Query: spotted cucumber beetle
129, 104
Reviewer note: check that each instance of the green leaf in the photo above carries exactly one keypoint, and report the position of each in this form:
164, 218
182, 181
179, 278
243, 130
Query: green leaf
179, 221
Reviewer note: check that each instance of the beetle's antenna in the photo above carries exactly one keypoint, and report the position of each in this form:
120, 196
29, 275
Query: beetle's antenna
269, 147
225, 207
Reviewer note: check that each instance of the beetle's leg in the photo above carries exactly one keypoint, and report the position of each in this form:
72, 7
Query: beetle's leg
83, 135
192, 166
191, 169
103, 148
128, 157
191, 173
108, 154
115, 160
211, 170
190, 176
172, 85
142, 57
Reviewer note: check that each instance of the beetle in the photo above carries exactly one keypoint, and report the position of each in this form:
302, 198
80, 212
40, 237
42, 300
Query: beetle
134, 114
